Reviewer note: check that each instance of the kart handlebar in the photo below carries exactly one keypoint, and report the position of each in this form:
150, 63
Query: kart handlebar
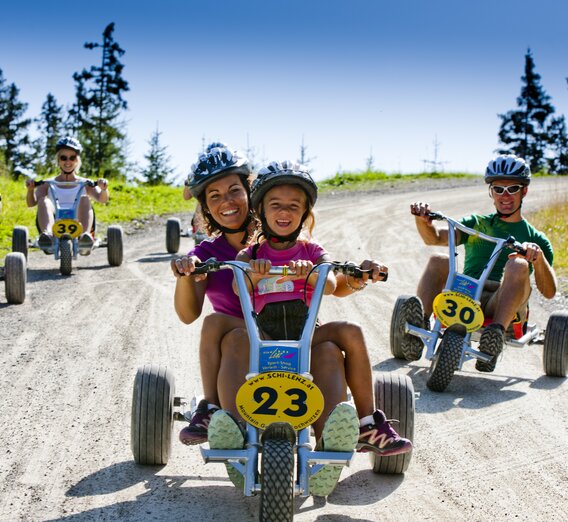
88, 182
510, 242
347, 268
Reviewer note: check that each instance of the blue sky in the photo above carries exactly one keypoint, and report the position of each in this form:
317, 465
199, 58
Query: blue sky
350, 76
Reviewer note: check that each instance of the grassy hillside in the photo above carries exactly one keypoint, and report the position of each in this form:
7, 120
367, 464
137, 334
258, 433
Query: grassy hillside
129, 202
126, 203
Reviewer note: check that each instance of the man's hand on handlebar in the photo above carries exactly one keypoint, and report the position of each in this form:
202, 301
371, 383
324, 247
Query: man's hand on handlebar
530, 251
421, 210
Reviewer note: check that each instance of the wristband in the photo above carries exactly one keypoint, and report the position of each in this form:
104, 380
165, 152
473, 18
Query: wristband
354, 289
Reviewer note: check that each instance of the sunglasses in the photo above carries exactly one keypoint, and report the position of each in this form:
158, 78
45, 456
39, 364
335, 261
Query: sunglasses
65, 158
511, 189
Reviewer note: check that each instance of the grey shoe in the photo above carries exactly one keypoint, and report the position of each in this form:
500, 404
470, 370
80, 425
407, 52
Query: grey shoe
85, 244
340, 433
491, 343
225, 432
45, 242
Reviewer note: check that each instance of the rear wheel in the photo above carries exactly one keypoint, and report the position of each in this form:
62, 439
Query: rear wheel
407, 309
20, 240
15, 277
277, 474
115, 239
446, 361
152, 415
394, 394
173, 234
65, 257
555, 351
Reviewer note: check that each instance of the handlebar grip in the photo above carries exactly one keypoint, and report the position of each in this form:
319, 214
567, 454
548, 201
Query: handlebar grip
91, 183
385, 276
38, 182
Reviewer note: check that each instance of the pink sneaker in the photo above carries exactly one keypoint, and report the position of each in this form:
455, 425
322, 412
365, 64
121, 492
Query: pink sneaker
196, 431
381, 438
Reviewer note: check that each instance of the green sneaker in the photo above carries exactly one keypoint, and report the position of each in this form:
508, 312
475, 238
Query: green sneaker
340, 433
224, 432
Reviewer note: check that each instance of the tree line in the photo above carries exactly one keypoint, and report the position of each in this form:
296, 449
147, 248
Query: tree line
96, 117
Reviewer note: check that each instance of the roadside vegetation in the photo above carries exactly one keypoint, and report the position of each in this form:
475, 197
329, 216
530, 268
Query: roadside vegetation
142, 202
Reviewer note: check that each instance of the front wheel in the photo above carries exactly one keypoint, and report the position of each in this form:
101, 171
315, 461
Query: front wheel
115, 241
15, 277
173, 234
555, 351
446, 361
394, 394
20, 240
152, 415
65, 257
277, 474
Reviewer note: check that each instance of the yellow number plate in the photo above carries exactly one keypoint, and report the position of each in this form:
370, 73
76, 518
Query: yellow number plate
68, 227
455, 308
280, 397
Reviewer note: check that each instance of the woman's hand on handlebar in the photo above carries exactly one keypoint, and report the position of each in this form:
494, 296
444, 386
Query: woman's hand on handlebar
102, 183
378, 271
184, 266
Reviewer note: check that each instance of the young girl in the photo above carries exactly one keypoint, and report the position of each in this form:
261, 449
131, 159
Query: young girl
283, 196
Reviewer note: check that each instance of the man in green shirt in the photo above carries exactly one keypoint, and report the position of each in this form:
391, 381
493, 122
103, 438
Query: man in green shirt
507, 289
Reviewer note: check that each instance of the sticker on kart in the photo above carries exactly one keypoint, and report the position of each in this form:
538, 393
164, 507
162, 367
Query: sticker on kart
455, 308
67, 227
280, 397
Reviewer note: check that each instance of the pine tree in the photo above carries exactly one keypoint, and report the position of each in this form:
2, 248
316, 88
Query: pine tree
158, 168
524, 131
14, 140
304, 159
558, 137
98, 107
50, 124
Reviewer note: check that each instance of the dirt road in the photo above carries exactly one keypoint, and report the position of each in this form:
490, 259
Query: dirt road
493, 447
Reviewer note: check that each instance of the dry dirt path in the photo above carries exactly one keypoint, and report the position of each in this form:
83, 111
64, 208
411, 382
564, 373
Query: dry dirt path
492, 447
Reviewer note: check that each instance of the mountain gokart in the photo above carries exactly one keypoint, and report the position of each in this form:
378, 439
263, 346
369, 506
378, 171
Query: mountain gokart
67, 229
174, 233
459, 320
279, 401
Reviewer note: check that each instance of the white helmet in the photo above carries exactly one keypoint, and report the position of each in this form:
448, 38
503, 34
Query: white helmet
508, 167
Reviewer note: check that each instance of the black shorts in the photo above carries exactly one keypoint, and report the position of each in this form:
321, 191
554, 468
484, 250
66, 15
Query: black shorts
284, 320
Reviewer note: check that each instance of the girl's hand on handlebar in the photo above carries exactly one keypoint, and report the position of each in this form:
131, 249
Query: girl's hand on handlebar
421, 210
260, 266
30, 184
301, 267
184, 266
379, 272
102, 183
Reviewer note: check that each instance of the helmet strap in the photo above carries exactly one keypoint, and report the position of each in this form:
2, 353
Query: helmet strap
275, 238
242, 228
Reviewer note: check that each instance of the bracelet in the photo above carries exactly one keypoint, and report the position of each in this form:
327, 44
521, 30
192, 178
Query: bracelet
354, 289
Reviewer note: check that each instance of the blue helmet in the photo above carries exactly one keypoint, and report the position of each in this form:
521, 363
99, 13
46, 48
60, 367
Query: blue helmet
285, 173
508, 167
69, 143
216, 145
218, 162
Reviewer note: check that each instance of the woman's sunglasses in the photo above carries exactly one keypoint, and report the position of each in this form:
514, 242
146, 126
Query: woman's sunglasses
511, 189
65, 158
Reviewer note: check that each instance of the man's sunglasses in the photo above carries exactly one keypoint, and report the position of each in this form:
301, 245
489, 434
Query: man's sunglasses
511, 189
65, 158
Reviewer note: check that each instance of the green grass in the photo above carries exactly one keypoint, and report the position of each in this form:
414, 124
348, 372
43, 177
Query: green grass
552, 221
365, 180
129, 202
126, 203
